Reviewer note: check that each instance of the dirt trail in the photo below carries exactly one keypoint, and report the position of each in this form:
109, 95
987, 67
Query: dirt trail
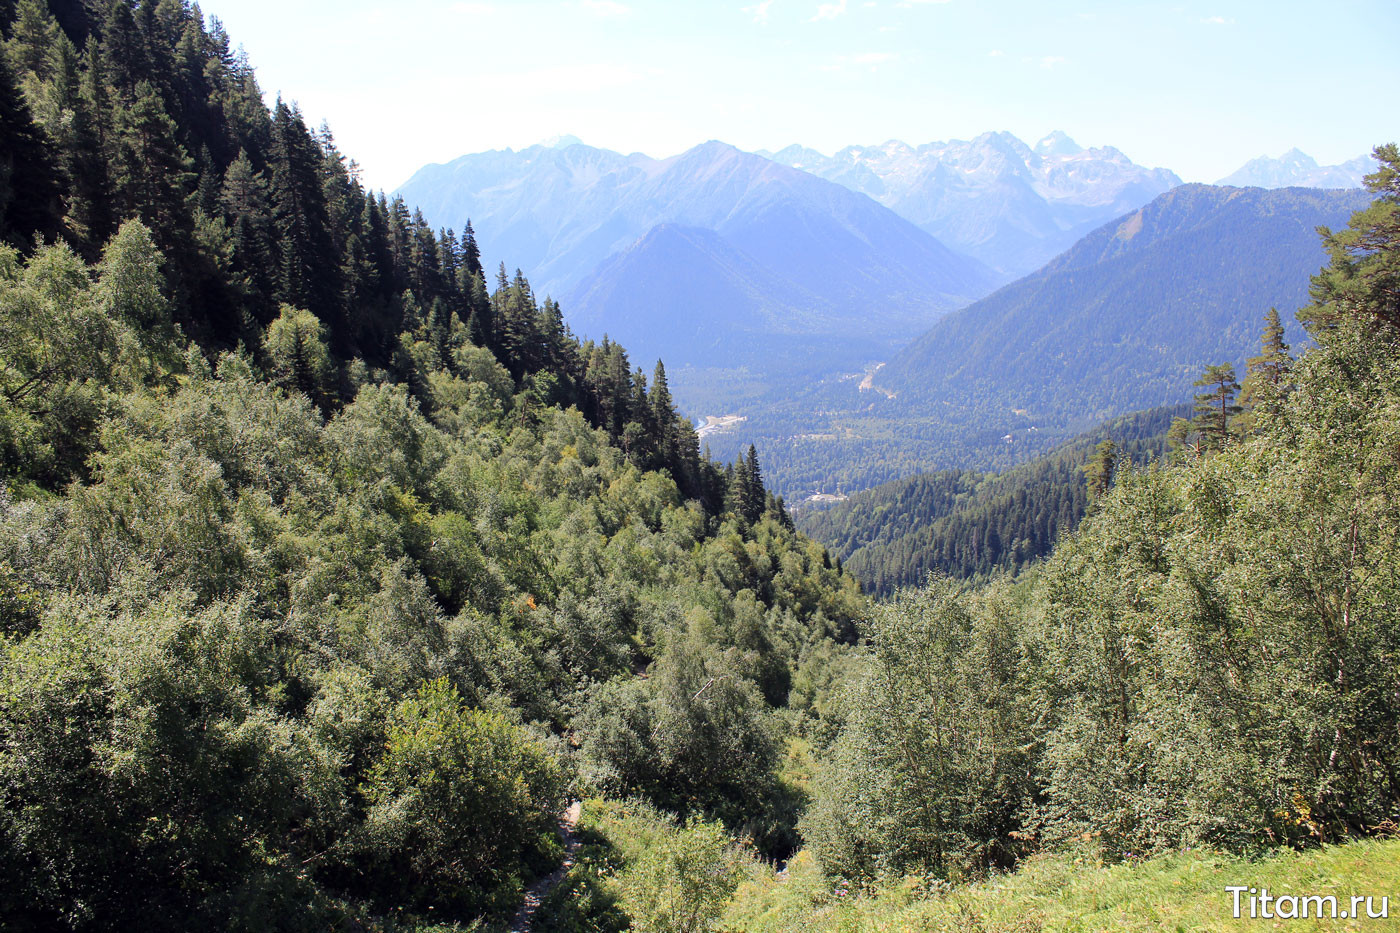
535, 893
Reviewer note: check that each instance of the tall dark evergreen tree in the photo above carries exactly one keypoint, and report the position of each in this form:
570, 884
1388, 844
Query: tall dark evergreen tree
754, 500
29, 190
1268, 372
1098, 472
1216, 408
153, 175
124, 57
308, 266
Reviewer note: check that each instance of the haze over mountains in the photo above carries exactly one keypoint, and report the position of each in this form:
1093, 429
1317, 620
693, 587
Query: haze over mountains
1011, 205
763, 247
722, 258
1295, 169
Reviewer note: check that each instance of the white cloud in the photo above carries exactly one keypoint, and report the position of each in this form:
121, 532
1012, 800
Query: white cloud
995, 53
759, 12
829, 11
906, 4
1217, 21
606, 7
873, 58
473, 9
1050, 61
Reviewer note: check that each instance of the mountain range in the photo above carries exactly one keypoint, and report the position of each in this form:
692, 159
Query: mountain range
1010, 205
763, 250
1295, 169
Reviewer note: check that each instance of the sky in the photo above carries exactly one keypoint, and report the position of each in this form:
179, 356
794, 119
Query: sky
1196, 87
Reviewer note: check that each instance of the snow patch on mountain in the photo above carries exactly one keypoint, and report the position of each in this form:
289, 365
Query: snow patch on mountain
1010, 205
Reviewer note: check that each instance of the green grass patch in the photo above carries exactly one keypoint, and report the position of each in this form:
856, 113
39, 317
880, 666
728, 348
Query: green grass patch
1065, 892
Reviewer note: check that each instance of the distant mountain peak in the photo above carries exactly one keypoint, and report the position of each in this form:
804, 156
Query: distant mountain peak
1058, 143
711, 146
561, 142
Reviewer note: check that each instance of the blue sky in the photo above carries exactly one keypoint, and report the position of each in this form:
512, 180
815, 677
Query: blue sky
1197, 87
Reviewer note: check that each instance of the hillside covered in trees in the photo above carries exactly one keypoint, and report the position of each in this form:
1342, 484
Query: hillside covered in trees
971, 525
329, 568
332, 567
1207, 660
1202, 672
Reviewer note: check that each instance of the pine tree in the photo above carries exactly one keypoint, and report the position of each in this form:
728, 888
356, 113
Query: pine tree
1363, 278
1216, 408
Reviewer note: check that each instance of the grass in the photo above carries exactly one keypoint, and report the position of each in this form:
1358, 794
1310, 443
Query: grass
1070, 892
1180, 891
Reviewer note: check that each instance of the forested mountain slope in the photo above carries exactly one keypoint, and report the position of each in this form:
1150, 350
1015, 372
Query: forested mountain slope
968, 524
328, 569
1206, 661
1129, 316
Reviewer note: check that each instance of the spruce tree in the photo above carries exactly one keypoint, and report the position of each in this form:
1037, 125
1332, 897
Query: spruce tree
1098, 472
753, 493
124, 57
471, 253
737, 488
1268, 372
29, 192
663, 419
87, 201
309, 273
153, 173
